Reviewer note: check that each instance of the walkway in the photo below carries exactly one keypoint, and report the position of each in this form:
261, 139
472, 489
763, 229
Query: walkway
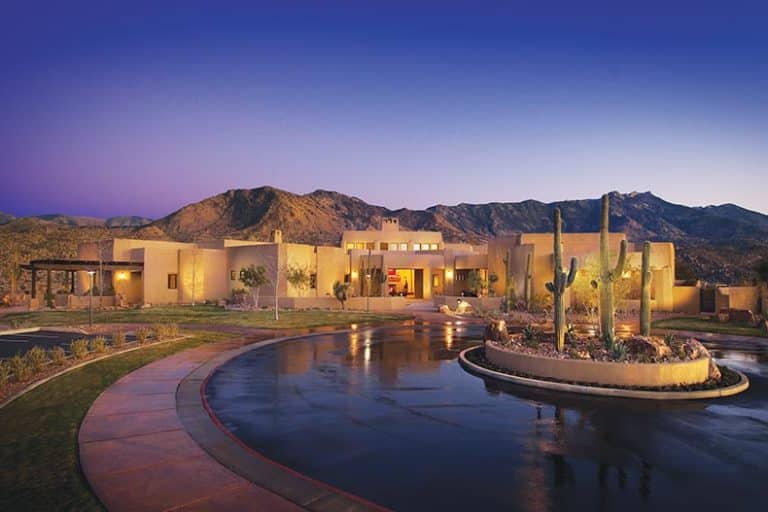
137, 456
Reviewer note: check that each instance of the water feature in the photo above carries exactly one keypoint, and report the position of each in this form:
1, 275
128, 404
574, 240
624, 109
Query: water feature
390, 415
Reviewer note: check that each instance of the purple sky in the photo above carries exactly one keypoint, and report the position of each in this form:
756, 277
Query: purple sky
139, 110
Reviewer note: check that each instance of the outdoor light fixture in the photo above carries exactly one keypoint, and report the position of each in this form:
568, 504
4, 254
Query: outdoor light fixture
354, 274
449, 274
122, 276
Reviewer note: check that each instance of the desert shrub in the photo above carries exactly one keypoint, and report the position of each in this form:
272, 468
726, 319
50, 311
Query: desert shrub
530, 336
118, 339
79, 348
5, 374
58, 356
619, 350
19, 367
142, 335
166, 331
669, 339
36, 359
98, 344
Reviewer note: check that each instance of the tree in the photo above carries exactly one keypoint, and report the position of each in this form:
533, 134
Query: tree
476, 283
298, 276
254, 278
340, 292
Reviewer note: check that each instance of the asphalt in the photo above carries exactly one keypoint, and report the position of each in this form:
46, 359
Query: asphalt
12, 344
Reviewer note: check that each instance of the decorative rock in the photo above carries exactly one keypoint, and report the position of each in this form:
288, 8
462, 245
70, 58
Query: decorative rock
444, 309
649, 348
714, 371
692, 349
496, 330
463, 306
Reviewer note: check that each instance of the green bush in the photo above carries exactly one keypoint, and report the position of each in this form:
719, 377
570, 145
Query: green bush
5, 374
142, 335
98, 344
530, 336
118, 339
79, 348
36, 359
20, 368
619, 350
58, 356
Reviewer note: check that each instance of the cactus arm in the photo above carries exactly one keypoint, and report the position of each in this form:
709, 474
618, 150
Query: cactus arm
550, 287
645, 292
622, 263
572, 272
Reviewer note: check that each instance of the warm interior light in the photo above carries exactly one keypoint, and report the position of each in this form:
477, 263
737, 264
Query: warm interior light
122, 276
354, 274
448, 274
627, 274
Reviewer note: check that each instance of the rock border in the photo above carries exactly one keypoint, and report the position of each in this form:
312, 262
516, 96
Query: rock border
482, 371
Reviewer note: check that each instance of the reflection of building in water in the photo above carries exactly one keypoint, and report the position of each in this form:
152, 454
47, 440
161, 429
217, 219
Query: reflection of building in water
383, 356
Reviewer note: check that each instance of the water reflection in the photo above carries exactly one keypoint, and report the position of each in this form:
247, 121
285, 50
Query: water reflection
390, 415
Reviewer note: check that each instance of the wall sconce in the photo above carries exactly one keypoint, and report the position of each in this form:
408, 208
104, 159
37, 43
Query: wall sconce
122, 276
449, 274
354, 274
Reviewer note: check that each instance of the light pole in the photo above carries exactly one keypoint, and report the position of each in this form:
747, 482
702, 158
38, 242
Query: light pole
90, 300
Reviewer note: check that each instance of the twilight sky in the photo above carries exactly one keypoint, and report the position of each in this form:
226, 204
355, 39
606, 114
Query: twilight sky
139, 109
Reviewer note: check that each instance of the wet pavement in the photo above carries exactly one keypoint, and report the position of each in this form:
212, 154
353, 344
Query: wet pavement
390, 416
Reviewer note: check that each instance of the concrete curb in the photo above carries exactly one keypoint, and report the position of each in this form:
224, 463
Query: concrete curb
35, 384
19, 331
740, 386
207, 431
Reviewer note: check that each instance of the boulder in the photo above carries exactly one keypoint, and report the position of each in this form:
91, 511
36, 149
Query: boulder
463, 306
496, 330
444, 309
692, 349
714, 371
647, 348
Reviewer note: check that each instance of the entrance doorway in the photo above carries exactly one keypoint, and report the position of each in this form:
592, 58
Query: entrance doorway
418, 283
405, 282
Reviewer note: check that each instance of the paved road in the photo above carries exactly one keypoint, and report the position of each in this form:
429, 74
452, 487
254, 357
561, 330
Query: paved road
12, 344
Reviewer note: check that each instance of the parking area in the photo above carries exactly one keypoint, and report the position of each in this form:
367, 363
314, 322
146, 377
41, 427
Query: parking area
12, 344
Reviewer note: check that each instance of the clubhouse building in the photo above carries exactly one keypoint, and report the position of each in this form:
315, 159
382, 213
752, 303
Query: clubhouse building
389, 265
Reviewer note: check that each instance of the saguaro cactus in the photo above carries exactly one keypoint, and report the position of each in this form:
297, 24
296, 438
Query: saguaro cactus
528, 281
560, 282
509, 283
645, 295
608, 275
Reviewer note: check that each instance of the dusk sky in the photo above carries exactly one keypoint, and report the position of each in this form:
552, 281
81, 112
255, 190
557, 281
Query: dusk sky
139, 109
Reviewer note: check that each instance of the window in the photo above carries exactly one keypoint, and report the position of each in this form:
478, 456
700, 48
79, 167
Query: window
350, 246
370, 245
312, 281
432, 247
384, 246
403, 247
417, 247
232, 275
359, 245
173, 281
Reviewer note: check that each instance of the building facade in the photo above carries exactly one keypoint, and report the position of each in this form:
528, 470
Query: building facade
388, 263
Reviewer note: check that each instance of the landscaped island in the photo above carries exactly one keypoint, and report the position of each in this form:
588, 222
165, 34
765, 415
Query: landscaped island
596, 364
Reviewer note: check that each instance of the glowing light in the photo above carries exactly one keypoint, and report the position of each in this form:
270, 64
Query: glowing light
627, 274
354, 274
122, 276
449, 274
354, 327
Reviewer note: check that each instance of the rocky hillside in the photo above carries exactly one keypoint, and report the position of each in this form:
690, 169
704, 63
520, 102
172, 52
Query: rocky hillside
80, 221
718, 243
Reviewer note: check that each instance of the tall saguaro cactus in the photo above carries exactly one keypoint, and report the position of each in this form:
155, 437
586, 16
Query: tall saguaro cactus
509, 284
608, 276
645, 292
560, 282
528, 281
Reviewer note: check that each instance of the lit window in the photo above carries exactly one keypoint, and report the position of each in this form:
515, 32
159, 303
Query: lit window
350, 246
232, 275
173, 281
403, 247
432, 247
384, 246
416, 247
370, 245
359, 245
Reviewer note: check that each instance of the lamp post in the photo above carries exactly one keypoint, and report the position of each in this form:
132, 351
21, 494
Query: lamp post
90, 300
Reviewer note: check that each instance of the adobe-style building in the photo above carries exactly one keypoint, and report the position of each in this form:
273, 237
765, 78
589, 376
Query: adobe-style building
389, 265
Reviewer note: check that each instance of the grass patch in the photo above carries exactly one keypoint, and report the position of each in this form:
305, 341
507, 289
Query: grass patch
39, 466
206, 315
707, 325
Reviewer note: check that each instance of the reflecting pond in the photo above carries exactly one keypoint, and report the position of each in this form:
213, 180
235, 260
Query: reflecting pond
389, 415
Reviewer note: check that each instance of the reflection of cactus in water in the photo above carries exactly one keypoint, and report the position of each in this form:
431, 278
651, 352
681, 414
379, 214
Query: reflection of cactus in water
645, 295
560, 283
528, 280
608, 275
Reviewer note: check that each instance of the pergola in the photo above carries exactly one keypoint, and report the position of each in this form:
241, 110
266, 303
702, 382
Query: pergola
73, 266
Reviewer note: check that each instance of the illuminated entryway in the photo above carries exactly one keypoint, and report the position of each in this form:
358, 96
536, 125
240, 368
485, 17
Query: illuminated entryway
405, 282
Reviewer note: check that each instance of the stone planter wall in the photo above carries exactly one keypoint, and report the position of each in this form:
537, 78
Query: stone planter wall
600, 372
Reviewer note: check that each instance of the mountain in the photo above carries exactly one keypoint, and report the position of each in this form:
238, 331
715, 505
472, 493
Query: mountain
80, 221
720, 243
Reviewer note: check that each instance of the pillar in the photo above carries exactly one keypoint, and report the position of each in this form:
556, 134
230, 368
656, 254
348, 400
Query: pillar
34, 283
48, 293
72, 282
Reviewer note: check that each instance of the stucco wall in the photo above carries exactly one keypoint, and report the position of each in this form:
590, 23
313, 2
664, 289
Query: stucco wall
203, 275
687, 299
159, 262
737, 297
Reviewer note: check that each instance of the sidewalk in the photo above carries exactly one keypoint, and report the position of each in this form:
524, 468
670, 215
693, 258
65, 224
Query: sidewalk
137, 456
